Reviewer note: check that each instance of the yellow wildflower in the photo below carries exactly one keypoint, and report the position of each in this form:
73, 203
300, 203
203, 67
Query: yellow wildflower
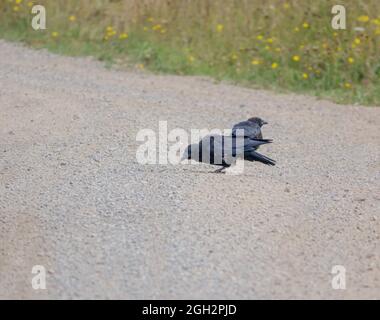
150, 19
270, 40
259, 37
191, 59
123, 36
351, 60
376, 21
296, 29
234, 56
156, 27
348, 85
219, 27
18, 1
255, 62
296, 58
363, 18
357, 41
274, 65
305, 25
305, 75
286, 5
30, 4
16, 8
72, 18
54, 34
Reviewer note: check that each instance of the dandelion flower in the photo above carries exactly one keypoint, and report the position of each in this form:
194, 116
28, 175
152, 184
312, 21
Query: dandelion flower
18, 1
351, 60
219, 27
348, 85
376, 21
357, 41
145, 29
234, 56
296, 29
72, 18
286, 5
305, 25
54, 34
363, 18
335, 34
296, 58
30, 4
255, 62
150, 19
123, 36
156, 27
278, 49
274, 65
191, 59
270, 40
16, 8
109, 29
259, 37
305, 76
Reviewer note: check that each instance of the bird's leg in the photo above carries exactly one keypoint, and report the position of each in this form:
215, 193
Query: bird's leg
219, 170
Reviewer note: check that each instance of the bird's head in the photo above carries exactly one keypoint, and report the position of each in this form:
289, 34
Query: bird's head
258, 120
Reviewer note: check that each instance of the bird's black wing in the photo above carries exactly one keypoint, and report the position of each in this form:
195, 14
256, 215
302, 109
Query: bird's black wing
250, 130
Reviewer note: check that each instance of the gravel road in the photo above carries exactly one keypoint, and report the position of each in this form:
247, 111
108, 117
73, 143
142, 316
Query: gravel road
74, 199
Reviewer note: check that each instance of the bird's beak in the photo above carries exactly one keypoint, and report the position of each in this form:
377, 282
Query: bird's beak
264, 122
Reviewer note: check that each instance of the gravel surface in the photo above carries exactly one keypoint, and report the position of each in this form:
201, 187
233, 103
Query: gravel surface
74, 199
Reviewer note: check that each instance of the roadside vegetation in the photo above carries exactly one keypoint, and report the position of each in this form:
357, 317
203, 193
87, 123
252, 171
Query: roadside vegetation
282, 45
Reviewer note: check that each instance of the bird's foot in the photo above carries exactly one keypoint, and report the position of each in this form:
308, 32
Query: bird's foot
220, 170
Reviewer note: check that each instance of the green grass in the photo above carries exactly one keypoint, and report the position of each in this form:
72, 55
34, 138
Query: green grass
229, 40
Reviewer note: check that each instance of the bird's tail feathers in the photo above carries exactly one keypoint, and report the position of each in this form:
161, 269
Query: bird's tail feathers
255, 156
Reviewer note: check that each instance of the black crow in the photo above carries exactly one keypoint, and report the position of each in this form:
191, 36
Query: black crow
251, 128
224, 150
